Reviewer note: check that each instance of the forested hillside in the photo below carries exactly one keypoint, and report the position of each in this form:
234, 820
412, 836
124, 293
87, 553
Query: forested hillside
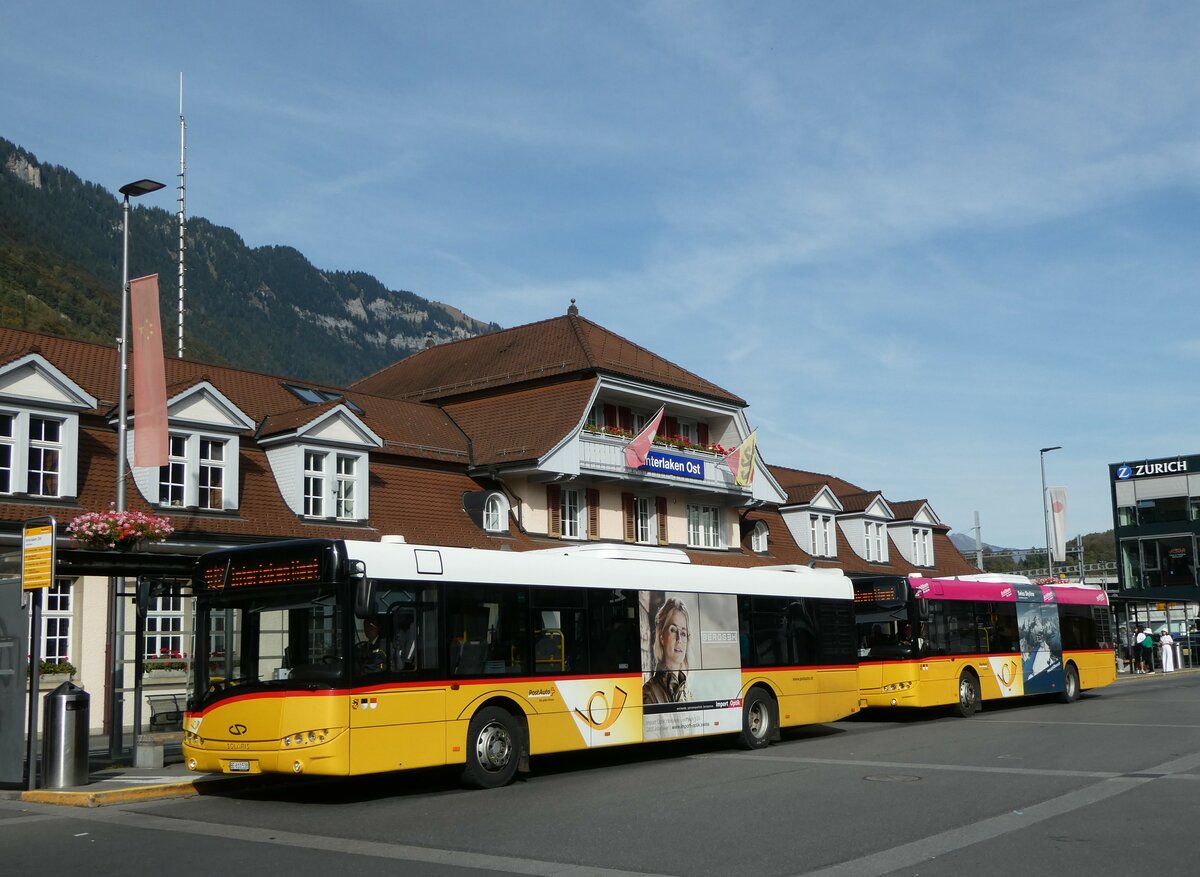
60, 267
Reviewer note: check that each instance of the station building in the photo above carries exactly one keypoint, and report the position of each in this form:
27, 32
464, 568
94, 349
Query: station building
1156, 522
509, 441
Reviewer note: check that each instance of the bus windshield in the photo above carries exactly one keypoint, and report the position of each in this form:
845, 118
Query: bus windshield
294, 638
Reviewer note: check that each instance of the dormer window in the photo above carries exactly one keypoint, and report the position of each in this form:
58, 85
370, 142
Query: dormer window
874, 542
495, 513
758, 537
195, 474
331, 484
821, 538
922, 546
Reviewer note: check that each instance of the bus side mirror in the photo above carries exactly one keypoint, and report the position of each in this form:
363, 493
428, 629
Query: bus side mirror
364, 591
147, 589
922, 609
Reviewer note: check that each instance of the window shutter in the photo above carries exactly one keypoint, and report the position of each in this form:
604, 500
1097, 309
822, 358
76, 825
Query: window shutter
593, 513
702, 434
554, 509
628, 507
670, 427
610, 415
660, 515
625, 418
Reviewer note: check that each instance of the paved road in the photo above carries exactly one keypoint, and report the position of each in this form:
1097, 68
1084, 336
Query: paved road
1104, 786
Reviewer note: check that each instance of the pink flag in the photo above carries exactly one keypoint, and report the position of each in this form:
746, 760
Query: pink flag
636, 450
149, 375
741, 461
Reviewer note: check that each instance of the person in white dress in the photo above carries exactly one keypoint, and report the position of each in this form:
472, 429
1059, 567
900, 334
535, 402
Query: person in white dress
1167, 643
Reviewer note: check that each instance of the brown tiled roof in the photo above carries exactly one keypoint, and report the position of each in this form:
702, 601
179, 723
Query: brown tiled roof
523, 425
407, 428
550, 349
858, 502
906, 510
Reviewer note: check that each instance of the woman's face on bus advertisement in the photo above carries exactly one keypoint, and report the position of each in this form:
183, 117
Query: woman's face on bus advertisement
674, 641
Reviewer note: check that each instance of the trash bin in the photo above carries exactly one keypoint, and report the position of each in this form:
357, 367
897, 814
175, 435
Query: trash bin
65, 717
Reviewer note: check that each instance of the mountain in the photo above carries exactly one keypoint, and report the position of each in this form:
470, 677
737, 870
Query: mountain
60, 272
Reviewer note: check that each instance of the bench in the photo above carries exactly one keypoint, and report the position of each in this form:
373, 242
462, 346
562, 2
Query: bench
166, 712
166, 726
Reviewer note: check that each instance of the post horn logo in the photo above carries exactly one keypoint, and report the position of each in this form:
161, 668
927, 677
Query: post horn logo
611, 714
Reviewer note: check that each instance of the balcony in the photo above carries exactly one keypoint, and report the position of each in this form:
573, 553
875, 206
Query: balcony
604, 454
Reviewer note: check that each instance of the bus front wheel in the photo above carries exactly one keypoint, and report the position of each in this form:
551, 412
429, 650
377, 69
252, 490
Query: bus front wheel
1070, 692
969, 699
759, 720
492, 749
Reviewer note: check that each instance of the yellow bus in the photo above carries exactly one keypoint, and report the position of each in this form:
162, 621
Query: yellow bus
962, 641
339, 658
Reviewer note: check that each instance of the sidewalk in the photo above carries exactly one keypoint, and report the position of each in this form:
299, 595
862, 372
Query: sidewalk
110, 783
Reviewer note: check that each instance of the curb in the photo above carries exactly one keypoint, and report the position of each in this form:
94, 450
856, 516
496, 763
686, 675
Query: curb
81, 798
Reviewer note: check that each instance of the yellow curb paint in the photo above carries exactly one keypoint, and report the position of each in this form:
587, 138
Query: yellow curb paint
75, 798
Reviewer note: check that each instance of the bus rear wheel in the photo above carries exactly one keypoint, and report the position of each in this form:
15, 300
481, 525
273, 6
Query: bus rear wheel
492, 749
1070, 692
970, 701
759, 721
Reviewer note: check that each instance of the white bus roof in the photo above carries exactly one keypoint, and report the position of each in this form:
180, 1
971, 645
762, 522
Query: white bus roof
596, 568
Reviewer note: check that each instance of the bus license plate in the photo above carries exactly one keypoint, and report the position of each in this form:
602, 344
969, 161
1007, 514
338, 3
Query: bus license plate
239, 767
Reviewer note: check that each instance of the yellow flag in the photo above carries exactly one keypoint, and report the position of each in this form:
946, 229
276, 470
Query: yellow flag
741, 461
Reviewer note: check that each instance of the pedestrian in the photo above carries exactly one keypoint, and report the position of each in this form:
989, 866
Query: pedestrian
1166, 644
1142, 646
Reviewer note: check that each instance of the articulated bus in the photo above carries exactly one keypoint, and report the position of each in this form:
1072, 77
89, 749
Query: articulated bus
339, 658
962, 641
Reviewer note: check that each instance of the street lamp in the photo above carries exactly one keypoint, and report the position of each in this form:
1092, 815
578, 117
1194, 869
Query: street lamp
116, 620
1045, 508
130, 190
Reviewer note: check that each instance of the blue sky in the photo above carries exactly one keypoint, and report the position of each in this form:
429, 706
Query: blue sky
922, 239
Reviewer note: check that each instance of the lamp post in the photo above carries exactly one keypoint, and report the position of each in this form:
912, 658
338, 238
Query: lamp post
116, 620
135, 190
1045, 509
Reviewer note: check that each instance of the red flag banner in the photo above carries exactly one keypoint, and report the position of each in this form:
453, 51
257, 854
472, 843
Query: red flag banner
636, 450
149, 375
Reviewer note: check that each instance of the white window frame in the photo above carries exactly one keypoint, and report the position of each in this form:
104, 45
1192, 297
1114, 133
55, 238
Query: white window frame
23, 447
58, 617
314, 482
922, 546
573, 513
820, 534
704, 526
645, 523
165, 626
8, 448
495, 513
42, 447
758, 537
345, 486
873, 540
211, 468
337, 488
179, 485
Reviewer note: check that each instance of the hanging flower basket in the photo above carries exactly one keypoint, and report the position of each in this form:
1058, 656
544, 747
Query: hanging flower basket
119, 531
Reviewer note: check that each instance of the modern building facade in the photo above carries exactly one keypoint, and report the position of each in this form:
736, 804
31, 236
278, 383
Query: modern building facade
1156, 522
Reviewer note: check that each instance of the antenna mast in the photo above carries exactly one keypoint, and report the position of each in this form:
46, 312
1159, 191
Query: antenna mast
182, 224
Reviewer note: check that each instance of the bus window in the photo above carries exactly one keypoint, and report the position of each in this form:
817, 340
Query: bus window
614, 629
560, 631
488, 629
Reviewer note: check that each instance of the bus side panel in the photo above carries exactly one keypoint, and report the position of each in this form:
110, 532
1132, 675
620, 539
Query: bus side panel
1097, 668
938, 684
383, 736
839, 693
